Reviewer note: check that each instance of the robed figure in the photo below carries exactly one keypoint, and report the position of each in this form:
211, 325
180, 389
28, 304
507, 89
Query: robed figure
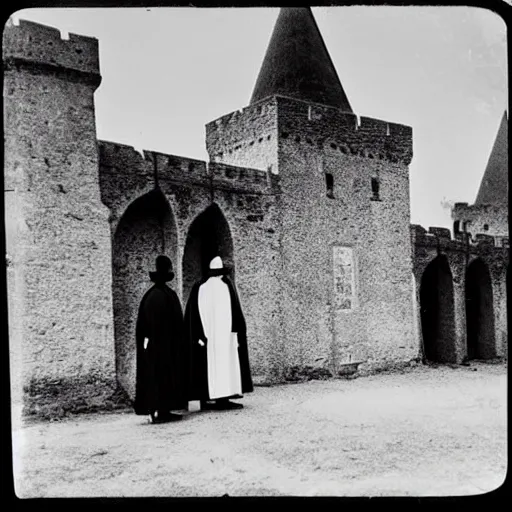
217, 336
161, 349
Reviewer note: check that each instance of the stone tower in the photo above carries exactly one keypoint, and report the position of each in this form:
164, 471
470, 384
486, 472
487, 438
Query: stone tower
346, 284
489, 214
58, 236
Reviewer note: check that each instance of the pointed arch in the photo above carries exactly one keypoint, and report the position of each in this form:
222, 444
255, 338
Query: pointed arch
481, 340
146, 229
438, 311
209, 235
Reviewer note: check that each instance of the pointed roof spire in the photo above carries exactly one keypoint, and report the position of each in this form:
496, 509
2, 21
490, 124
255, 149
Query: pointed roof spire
297, 63
494, 185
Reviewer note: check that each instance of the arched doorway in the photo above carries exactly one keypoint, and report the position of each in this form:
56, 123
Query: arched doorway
437, 312
479, 312
208, 236
147, 229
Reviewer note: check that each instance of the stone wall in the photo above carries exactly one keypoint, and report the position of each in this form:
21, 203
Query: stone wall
488, 219
346, 133
61, 335
309, 205
376, 324
313, 141
246, 137
460, 253
191, 211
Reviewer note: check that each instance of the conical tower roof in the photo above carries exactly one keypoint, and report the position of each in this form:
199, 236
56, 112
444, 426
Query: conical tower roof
297, 63
494, 185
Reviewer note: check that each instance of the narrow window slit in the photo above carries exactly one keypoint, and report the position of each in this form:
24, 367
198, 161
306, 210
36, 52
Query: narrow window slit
329, 183
375, 189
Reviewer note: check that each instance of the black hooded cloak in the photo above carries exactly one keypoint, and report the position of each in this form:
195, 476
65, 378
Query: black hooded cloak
198, 368
161, 374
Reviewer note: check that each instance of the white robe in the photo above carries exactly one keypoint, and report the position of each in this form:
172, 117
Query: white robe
224, 377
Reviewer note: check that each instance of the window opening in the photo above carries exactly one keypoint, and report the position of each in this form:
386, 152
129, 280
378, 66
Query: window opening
329, 183
375, 189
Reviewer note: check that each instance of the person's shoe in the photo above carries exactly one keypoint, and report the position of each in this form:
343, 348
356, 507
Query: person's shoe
205, 406
226, 405
159, 417
170, 416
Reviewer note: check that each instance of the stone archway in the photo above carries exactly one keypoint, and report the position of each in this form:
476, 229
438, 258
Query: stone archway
481, 342
438, 312
146, 229
208, 236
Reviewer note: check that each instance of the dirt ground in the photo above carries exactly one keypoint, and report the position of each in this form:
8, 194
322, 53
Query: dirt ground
425, 432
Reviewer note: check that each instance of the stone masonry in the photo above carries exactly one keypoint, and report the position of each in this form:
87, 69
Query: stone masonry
308, 202
462, 254
304, 142
58, 237
231, 209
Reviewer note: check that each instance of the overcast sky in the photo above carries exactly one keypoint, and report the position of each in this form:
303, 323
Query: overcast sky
442, 70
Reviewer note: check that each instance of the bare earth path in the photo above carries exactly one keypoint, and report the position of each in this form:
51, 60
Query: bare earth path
426, 432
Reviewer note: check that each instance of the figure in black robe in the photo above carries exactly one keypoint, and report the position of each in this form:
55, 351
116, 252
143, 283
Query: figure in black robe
226, 353
161, 350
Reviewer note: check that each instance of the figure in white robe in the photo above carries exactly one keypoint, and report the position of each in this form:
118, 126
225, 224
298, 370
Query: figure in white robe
224, 379
217, 334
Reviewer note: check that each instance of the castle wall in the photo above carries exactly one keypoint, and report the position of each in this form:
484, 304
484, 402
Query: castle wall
488, 219
238, 203
310, 205
254, 224
58, 235
460, 253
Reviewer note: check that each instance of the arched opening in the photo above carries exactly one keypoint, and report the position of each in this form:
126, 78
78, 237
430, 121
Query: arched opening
479, 312
437, 312
147, 229
208, 236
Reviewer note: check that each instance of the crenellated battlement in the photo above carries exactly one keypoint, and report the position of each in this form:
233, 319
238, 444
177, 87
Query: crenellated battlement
331, 129
177, 168
121, 157
436, 236
251, 129
42, 48
309, 123
256, 111
125, 161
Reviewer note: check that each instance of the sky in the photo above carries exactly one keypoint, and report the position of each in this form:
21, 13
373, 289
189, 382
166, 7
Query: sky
166, 72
